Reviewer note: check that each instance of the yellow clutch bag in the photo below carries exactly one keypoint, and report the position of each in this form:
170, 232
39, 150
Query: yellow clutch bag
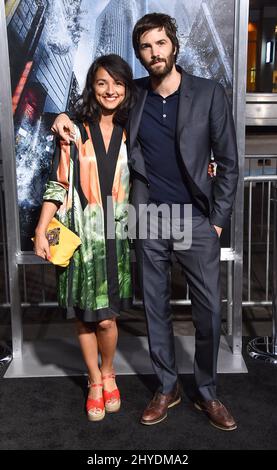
62, 242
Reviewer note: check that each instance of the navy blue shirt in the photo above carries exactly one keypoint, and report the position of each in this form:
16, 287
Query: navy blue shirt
157, 137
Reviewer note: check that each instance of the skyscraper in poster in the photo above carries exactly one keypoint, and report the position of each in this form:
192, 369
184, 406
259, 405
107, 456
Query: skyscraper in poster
113, 30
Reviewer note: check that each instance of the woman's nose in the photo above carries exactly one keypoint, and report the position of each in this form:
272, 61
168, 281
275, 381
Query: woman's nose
110, 88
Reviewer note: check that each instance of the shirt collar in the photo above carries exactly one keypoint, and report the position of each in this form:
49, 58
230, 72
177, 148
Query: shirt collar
154, 93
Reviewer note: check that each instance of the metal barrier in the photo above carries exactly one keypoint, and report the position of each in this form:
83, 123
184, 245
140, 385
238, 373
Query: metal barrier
258, 235
4, 291
265, 348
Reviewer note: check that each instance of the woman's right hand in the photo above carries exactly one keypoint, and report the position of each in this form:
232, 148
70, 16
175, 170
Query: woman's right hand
41, 246
64, 128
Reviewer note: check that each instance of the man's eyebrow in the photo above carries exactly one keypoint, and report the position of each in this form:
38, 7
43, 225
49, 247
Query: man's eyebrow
156, 42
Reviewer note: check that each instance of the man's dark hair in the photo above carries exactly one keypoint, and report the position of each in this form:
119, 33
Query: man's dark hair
156, 20
87, 106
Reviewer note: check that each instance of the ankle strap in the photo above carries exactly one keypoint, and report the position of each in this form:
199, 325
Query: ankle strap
108, 376
94, 385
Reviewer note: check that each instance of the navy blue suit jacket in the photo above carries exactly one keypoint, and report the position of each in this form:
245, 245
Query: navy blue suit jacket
204, 125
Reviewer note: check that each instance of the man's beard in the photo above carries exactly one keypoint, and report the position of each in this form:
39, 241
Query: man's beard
161, 73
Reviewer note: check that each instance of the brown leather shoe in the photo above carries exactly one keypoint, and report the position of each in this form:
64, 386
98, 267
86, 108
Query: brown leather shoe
218, 415
156, 411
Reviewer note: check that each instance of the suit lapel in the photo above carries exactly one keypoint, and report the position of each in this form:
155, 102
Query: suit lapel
136, 114
185, 103
136, 159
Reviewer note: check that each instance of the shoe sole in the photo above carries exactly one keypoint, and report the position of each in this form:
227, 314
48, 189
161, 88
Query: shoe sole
113, 408
96, 417
217, 426
151, 423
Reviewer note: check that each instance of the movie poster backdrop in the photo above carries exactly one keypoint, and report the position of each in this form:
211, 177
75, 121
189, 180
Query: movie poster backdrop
51, 46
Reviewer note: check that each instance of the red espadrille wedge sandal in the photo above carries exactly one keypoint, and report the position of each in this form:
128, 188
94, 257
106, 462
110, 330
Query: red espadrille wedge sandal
111, 399
95, 407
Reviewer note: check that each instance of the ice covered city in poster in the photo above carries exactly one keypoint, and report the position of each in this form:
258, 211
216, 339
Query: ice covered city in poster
51, 45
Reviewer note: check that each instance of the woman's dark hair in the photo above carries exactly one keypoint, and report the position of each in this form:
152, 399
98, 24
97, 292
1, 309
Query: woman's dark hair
87, 106
152, 21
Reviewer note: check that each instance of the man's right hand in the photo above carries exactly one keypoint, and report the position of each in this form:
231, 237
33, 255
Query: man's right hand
64, 128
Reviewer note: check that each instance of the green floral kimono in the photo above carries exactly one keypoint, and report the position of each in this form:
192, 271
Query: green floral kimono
97, 283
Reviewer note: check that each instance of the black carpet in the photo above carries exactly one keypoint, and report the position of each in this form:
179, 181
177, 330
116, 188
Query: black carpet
49, 413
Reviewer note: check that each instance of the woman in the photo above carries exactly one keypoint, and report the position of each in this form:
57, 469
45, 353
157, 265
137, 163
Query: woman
97, 283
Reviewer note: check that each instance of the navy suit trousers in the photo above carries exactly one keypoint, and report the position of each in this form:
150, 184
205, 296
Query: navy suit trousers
201, 265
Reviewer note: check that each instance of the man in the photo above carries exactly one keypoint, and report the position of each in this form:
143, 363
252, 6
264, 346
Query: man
178, 119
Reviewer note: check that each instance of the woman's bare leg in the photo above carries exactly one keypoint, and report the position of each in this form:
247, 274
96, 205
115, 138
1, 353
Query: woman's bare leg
88, 342
107, 335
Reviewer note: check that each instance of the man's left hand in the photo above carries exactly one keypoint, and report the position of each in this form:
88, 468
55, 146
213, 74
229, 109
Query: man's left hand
218, 230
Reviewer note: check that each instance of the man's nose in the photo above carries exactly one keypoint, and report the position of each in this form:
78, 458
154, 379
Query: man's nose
155, 52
